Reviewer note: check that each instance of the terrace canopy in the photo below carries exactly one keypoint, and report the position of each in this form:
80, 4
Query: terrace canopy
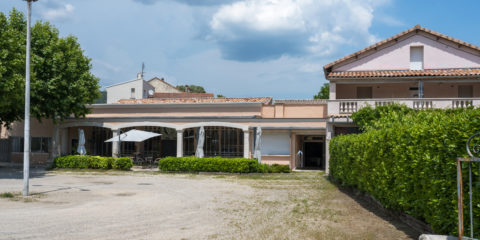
133, 136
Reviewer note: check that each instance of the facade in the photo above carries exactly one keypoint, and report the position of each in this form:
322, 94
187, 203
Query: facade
135, 89
419, 68
162, 87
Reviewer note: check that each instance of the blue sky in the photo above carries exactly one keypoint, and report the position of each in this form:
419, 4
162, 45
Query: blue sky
240, 47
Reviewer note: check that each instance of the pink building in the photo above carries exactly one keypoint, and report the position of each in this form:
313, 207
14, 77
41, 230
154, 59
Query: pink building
420, 68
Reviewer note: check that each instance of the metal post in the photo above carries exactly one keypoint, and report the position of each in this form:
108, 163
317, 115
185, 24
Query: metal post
26, 136
470, 189
460, 199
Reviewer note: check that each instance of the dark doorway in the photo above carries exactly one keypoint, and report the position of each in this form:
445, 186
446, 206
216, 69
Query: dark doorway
313, 155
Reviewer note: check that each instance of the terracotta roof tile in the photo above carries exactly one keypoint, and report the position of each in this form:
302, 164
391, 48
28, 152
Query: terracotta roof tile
264, 100
453, 72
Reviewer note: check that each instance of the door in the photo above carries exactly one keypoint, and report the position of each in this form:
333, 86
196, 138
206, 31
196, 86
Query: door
465, 91
4, 150
364, 92
313, 155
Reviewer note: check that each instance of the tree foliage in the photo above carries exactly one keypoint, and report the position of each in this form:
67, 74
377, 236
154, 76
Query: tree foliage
61, 82
191, 88
324, 92
406, 160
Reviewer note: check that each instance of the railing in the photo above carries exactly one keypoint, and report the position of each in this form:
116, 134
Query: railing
349, 106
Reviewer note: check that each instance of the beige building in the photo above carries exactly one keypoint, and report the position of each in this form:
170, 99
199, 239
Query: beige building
162, 87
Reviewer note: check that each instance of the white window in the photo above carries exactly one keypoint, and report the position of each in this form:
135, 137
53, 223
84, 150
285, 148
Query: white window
275, 144
132, 93
416, 58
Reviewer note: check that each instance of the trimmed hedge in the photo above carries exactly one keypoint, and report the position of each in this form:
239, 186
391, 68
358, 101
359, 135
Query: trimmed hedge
217, 164
93, 162
407, 160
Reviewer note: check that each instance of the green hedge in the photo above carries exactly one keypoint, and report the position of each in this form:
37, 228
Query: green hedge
93, 162
407, 160
217, 164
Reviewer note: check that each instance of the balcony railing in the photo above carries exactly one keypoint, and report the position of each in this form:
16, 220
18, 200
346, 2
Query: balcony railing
349, 106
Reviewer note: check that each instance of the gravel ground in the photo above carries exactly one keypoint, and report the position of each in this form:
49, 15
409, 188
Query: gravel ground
114, 205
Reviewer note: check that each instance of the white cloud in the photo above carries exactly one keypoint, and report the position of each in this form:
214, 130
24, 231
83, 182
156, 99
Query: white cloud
56, 11
315, 27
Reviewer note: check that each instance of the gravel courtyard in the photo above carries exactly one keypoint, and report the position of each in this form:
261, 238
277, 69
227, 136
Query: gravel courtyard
133, 205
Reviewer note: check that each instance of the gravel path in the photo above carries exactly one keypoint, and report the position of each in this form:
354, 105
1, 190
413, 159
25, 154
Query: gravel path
169, 206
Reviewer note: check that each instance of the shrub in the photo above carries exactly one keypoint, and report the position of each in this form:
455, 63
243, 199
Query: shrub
93, 162
122, 163
407, 161
217, 164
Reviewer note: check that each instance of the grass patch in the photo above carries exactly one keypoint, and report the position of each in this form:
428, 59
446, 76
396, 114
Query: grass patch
7, 195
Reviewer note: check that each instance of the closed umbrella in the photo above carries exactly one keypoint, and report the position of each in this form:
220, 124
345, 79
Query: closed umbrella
201, 140
258, 153
81, 142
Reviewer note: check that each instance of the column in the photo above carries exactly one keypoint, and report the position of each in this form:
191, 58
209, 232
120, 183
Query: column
327, 143
55, 143
246, 144
180, 143
115, 145
64, 141
333, 91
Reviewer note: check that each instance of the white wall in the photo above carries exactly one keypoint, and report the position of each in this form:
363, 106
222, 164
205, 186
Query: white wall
123, 90
275, 143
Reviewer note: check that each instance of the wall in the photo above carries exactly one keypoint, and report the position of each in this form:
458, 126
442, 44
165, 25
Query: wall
437, 55
294, 111
162, 87
445, 89
123, 91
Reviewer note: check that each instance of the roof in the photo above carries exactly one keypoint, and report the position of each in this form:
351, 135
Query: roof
301, 101
264, 100
182, 95
162, 80
453, 72
416, 28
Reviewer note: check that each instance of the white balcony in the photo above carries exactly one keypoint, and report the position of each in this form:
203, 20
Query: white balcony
349, 106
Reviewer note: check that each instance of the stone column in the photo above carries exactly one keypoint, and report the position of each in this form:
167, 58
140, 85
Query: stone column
64, 141
180, 143
115, 145
333, 91
329, 136
246, 144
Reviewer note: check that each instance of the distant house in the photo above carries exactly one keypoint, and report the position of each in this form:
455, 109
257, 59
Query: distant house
134, 89
161, 86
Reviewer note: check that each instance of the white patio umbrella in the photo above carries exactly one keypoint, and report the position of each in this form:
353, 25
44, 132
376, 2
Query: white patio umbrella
201, 140
81, 142
258, 153
133, 136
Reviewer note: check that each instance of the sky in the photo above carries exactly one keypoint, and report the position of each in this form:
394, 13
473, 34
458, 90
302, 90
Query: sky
240, 48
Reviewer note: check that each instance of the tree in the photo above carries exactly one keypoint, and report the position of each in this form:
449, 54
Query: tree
324, 92
61, 82
191, 88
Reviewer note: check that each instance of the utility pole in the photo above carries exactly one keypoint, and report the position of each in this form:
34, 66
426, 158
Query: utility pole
26, 136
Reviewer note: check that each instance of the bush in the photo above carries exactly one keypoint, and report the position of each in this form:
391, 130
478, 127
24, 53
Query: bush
217, 164
93, 162
122, 163
407, 161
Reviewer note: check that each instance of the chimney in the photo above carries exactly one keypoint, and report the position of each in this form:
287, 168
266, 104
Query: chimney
139, 76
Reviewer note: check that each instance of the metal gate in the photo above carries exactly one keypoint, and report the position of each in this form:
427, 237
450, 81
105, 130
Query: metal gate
4, 150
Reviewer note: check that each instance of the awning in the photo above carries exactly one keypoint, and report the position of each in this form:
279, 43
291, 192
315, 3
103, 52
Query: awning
134, 136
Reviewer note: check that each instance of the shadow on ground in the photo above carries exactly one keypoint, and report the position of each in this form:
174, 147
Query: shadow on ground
374, 207
17, 172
